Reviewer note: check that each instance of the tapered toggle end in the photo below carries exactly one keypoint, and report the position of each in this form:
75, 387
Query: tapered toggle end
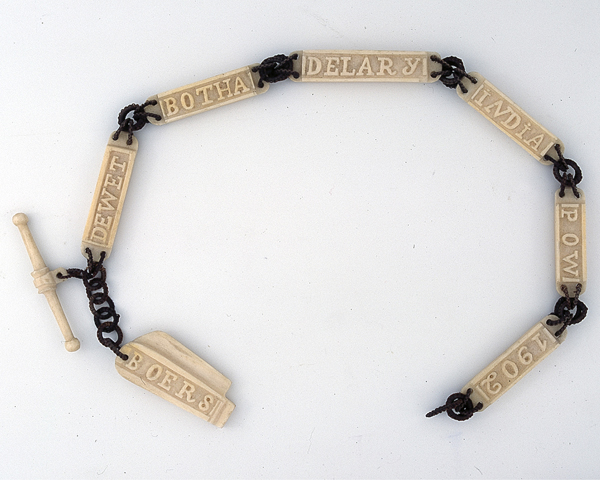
46, 281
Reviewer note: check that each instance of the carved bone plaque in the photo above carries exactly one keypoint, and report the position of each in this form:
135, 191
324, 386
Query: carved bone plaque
570, 241
160, 364
510, 367
509, 117
107, 205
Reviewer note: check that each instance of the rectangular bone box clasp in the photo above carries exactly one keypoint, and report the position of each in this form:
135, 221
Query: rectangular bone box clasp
160, 364
364, 66
206, 94
509, 117
510, 367
569, 240
109, 196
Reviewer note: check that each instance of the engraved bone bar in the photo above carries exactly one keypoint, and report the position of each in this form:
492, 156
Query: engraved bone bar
570, 249
364, 66
488, 100
46, 281
510, 367
311, 65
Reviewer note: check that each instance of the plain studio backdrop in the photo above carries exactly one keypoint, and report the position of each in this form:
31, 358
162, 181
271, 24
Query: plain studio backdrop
347, 254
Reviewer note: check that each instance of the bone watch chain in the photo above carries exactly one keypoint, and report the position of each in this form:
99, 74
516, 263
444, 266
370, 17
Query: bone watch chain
160, 364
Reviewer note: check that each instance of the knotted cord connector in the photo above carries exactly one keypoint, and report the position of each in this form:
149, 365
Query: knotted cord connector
569, 310
137, 121
452, 72
276, 69
458, 406
561, 173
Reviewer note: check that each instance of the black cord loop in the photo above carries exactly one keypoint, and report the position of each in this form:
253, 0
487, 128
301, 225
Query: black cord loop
458, 406
276, 69
569, 310
137, 121
452, 72
101, 305
562, 174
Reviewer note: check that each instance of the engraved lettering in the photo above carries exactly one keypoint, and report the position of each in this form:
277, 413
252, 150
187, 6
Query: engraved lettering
514, 363
134, 361
536, 141
207, 94
167, 379
572, 269
498, 105
524, 356
102, 222
221, 90
204, 90
187, 101
99, 234
206, 403
510, 369
484, 94
333, 64
487, 383
105, 200
314, 66
113, 181
345, 71
109, 195
570, 239
571, 215
116, 165
512, 120
412, 64
240, 86
570, 249
187, 389
154, 372
170, 106
365, 66
386, 64
526, 128
541, 343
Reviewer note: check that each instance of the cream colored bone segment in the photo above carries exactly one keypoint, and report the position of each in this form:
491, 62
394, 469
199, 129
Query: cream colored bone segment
364, 66
161, 365
569, 241
109, 196
206, 94
45, 281
509, 117
510, 367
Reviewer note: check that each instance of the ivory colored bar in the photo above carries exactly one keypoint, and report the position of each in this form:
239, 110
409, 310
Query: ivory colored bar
205, 95
160, 364
364, 66
510, 367
508, 117
46, 281
569, 240
107, 204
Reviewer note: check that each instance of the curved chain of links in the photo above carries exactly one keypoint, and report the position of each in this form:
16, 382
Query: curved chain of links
101, 305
